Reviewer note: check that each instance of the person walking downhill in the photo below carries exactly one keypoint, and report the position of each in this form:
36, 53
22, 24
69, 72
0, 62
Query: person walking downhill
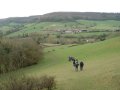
76, 65
81, 65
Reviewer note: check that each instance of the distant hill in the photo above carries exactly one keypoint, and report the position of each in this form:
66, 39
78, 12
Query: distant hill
62, 16
19, 20
71, 16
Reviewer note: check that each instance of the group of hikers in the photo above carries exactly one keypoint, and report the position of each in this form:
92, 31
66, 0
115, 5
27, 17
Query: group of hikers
76, 63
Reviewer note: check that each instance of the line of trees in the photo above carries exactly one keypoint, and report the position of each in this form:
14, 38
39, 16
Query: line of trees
18, 53
15, 28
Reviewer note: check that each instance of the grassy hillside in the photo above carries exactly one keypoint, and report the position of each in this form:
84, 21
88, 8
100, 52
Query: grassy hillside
101, 71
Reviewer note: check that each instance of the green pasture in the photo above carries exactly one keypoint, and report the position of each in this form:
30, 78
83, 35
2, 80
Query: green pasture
100, 25
101, 70
50, 26
88, 34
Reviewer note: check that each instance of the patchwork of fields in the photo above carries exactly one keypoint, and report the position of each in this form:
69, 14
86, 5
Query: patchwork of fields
42, 27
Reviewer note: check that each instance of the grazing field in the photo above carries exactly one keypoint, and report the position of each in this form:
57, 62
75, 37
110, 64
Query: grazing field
101, 71
15, 29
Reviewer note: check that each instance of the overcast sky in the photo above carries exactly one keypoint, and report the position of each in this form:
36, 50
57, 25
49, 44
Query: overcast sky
18, 8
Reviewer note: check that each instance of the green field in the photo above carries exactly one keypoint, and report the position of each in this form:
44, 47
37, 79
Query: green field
101, 71
91, 25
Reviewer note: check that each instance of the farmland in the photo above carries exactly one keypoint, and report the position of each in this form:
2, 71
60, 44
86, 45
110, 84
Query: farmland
39, 46
108, 25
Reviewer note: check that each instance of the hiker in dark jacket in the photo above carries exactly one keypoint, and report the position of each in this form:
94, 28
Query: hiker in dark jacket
76, 66
81, 65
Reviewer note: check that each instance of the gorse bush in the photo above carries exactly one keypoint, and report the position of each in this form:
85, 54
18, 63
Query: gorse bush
29, 83
48, 82
15, 54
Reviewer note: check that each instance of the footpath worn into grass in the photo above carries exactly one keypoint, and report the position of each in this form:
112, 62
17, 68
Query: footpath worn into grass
101, 71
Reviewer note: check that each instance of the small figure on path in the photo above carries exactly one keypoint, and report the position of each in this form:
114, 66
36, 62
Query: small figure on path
74, 63
81, 65
76, 66
70, 58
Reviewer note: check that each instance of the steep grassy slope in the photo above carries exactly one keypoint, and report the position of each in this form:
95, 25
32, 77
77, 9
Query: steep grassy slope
101, 71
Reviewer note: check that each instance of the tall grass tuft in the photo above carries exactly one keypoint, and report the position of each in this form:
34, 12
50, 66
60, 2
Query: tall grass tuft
29, 83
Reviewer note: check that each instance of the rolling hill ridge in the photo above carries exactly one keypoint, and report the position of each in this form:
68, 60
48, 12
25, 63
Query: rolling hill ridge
63, 16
